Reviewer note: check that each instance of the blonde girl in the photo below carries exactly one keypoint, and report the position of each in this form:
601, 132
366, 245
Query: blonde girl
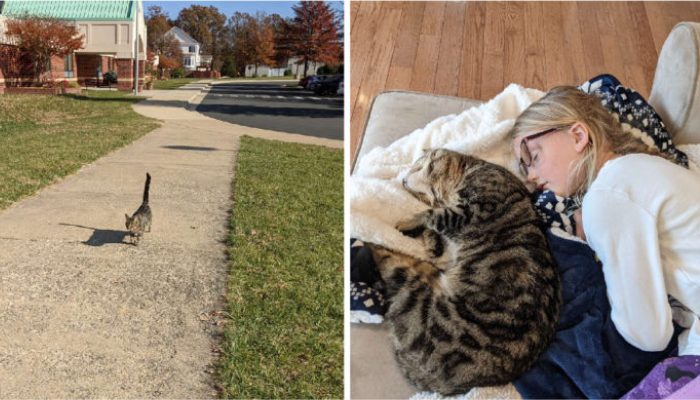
640, 212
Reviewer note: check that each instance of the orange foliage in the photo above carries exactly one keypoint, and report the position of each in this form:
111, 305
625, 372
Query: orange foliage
313, 34
42, 38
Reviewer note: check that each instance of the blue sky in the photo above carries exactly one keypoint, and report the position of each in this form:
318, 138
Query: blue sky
283, 8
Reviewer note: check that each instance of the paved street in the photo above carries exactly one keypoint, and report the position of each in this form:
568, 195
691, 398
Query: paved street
279, 106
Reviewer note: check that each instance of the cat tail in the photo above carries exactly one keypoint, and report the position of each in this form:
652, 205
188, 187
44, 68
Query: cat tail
145, 190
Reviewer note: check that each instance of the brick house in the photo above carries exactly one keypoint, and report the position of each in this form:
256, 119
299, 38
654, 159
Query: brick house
108, 29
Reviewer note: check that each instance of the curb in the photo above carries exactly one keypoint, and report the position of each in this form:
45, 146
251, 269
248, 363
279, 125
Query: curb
197, 98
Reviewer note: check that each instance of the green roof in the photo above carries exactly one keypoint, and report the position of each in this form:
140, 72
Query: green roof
72, 10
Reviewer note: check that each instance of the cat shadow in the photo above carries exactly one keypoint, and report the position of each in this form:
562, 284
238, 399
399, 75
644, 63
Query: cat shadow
101, 237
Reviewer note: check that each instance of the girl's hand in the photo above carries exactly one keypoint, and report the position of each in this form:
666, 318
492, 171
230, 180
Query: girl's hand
578, 220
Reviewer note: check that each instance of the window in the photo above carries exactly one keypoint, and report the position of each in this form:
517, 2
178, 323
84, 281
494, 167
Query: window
188, 61
68, 66
193, 49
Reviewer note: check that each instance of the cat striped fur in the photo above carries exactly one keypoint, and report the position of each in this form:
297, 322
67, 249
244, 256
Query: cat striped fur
140, 221
485, 306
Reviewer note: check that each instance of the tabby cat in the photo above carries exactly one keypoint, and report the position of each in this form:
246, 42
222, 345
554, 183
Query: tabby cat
140, 222
484, 306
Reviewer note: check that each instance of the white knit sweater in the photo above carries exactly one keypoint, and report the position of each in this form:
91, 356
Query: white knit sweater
641, 215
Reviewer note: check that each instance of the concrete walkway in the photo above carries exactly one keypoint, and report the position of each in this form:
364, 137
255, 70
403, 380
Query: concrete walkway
84, 315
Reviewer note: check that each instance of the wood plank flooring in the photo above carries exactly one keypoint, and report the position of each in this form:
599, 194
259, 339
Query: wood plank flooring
475, 49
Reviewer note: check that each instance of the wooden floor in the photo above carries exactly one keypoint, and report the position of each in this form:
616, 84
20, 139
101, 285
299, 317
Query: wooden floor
475, 49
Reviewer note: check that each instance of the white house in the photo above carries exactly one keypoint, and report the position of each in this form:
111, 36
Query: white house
296, 69
191, 57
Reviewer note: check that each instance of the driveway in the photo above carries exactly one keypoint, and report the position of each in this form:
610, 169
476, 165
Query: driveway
278, 106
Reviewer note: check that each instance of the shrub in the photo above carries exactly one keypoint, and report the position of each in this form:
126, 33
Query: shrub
330, 69
229, 68
287, 72
177, 73
110, 77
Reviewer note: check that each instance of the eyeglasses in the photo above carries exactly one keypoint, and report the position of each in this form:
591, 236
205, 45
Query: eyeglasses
525, 156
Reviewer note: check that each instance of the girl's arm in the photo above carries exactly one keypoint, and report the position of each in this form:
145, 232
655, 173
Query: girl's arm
624, 236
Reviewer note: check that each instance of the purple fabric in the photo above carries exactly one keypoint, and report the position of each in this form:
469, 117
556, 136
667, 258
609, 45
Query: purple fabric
691, 390
668, 377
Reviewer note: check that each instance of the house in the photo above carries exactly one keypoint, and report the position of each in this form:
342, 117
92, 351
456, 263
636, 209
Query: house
296, 70
191, 49
111, 30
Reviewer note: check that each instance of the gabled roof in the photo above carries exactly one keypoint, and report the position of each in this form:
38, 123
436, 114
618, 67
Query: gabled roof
182, 35
85, 10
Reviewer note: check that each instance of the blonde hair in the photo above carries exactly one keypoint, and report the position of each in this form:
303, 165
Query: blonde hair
563, 106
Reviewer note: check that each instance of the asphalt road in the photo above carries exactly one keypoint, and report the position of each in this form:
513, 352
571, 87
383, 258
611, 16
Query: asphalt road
276, 106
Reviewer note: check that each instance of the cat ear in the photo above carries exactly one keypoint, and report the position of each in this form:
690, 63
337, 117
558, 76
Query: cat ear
127, 217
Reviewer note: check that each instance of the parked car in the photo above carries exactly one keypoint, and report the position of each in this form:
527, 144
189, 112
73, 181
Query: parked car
304, 81
314, 81
329, 85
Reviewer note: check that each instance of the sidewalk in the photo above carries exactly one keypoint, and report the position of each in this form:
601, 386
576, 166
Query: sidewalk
83, 315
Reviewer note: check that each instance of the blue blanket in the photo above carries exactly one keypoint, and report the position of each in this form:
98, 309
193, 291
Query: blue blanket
588, 358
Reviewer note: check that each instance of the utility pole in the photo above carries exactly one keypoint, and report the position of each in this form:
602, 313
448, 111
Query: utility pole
136, 48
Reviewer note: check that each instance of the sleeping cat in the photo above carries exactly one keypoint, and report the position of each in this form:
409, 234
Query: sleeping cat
483, 308
140, 222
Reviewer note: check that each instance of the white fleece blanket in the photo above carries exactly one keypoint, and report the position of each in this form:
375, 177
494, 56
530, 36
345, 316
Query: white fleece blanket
377, 199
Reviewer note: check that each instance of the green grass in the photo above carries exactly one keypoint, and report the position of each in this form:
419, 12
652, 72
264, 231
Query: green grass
45, 138
285, 336
170, 84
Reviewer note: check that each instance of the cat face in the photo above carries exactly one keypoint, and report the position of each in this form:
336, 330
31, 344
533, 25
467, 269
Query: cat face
434, 177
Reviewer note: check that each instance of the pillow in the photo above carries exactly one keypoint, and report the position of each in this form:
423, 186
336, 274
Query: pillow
634, 113
636, 116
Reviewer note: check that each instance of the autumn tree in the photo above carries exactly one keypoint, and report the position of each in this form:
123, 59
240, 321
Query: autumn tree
207, 26
253, 39
43, 38
241, 27
281, 48
157, 26
170, 56
313, 34
265, 41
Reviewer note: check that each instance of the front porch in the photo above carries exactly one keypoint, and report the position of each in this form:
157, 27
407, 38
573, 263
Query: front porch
90, 67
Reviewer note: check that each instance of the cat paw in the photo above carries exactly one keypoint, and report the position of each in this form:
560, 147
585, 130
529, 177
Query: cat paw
411, 228
435, 244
